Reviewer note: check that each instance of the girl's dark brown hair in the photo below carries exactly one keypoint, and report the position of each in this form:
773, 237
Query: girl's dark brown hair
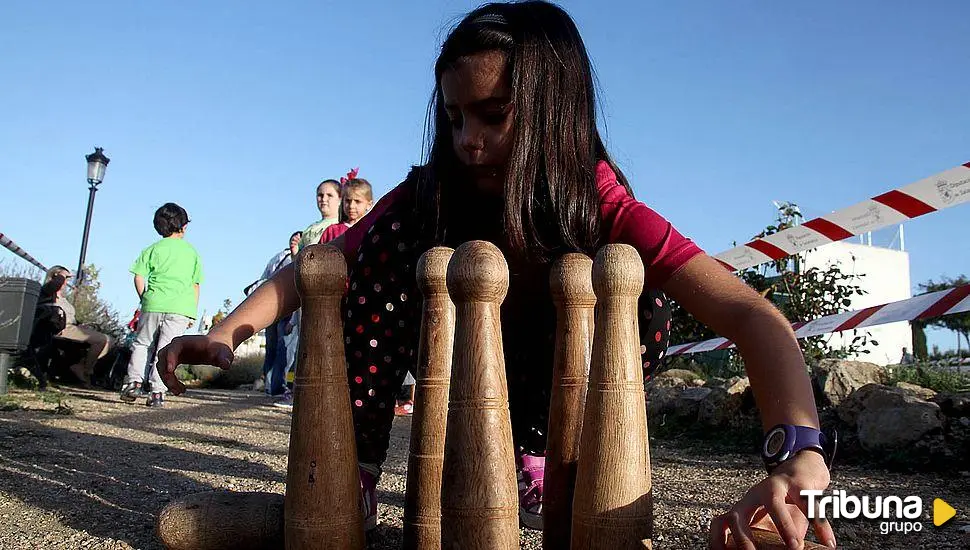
551, 204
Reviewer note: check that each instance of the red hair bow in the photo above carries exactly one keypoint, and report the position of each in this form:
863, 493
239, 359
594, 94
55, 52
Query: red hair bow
350, 175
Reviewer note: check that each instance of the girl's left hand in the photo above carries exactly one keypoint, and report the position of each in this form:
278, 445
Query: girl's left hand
777, 500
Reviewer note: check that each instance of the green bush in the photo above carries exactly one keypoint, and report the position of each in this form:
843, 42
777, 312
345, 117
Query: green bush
931, 377
22, 379
184, 373
245, 370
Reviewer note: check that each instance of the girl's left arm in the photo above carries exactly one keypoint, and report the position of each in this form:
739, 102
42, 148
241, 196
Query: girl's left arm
782, 390
772, 358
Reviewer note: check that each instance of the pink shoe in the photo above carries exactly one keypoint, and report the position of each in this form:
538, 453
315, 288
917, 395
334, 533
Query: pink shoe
368, 495
530, 470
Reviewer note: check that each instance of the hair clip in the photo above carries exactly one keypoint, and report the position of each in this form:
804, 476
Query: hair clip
494, 18
350, 175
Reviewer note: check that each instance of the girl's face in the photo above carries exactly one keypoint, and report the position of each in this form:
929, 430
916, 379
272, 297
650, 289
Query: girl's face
328, 200
478, 100
355, 205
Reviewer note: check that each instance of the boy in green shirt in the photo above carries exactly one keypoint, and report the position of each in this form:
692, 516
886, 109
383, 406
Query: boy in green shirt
167, 278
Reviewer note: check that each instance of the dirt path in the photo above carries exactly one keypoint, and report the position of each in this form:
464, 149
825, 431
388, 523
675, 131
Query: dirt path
97, 477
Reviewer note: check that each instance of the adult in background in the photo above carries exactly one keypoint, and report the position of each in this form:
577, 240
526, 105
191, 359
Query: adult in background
274, 365
53, 292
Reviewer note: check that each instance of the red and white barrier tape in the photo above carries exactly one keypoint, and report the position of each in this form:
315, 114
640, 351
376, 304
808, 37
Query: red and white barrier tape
12, 246
925, 306
936, 192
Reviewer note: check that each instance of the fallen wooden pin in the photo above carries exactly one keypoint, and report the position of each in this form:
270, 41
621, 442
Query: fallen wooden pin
223, 520
769, 540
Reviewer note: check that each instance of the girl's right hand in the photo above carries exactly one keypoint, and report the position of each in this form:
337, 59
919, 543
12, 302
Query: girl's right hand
196, 349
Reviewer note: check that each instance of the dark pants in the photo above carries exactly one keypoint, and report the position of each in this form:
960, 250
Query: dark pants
274, 364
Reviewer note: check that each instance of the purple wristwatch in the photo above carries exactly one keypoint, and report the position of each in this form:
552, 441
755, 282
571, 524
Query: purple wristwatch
785, 440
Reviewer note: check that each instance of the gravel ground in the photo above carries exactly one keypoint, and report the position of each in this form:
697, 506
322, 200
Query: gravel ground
92, 472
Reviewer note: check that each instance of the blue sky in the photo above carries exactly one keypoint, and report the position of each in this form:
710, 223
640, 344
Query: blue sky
236, 110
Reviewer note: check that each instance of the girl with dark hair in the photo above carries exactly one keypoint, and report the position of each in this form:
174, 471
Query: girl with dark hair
515, 158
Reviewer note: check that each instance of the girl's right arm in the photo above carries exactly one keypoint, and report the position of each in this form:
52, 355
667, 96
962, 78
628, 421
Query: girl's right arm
272, 300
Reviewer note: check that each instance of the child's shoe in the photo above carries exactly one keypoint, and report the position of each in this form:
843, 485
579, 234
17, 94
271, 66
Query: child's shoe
286, 402
155, 400
404, 408
368, 495
130, 392
530, 473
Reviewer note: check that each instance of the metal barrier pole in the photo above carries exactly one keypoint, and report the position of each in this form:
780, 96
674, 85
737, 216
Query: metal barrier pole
4, 365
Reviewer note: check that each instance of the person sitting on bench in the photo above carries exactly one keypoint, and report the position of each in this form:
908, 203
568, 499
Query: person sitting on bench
55, 285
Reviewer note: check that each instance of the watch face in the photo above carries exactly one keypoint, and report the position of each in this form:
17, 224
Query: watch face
774, 442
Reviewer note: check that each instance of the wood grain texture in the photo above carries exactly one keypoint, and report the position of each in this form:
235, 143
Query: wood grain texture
422, 497
223, 520
769, 540
322, 507
571, 284
479, 499
613, 505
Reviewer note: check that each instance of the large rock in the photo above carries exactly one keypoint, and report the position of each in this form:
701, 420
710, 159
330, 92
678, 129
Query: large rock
954, 404
719, 408
737, 385
850, 409
916, 391
837, 379
688, 402
665, 382
684, 375
890, 418
898, 427
660, 400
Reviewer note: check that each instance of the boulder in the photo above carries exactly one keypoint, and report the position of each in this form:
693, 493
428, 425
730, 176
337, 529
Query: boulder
719, 408
954, 404
715, 382
850, 409
916, 391
890, 418
665, 382
898, 427
737, 385
681, 374
660, 400
688, 402
837, 379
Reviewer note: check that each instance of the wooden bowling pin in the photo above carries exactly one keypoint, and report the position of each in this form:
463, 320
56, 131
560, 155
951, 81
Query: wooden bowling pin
322, 507
572, 292
223, 520
613, 505
770, 540
479, 497
422, 498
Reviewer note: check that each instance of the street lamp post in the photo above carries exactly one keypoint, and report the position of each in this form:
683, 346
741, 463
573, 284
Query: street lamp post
97, 163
